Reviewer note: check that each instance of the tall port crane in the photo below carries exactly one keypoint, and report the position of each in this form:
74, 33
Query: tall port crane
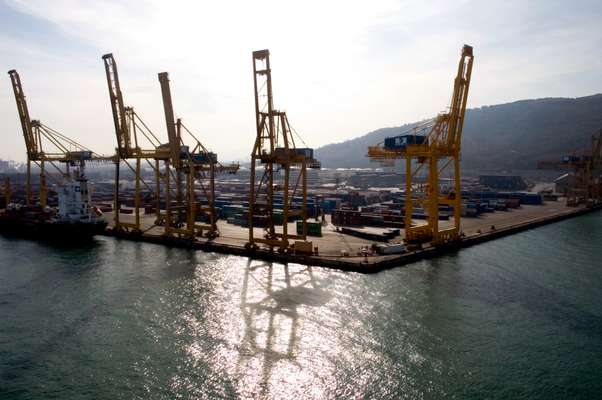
593, 170
586, 185
275, 151
433, 145
46, 146
198, 167
131, 132
7, 191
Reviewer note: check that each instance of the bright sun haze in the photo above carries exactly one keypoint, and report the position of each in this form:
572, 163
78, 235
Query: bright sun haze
341, 68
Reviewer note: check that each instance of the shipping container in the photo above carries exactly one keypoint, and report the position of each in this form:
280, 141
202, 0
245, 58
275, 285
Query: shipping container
344, 217
80, 155
307, 152
205, 158
532, 199
277, 217
569, 159
313, 228
512, 203
469, 212
402, 141
395, 248
303, 247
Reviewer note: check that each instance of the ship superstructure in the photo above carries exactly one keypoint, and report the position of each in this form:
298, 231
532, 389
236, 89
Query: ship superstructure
74, 219
74, 200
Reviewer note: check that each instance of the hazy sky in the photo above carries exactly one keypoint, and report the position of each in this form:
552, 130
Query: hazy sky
340, 68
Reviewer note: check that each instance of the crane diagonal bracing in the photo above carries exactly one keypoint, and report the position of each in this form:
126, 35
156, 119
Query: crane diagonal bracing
433, 146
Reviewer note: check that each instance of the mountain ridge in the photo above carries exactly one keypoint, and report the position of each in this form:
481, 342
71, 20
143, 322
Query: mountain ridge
513, 135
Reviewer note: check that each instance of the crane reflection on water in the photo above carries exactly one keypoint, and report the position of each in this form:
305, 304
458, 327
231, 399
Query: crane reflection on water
273, 299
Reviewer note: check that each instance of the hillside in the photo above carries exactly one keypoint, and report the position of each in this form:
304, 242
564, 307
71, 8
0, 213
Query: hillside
506, 136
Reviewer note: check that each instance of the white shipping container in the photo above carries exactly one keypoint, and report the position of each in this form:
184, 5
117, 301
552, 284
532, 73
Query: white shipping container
395, 248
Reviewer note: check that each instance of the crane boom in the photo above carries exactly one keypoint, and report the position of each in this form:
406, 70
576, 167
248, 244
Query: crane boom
460, 97
117, 107
31, 143
174, 140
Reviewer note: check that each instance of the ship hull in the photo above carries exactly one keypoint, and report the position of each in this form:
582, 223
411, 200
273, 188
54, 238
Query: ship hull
65, 232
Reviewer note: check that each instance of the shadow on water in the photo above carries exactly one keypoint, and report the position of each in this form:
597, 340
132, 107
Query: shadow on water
168, 262
281, 305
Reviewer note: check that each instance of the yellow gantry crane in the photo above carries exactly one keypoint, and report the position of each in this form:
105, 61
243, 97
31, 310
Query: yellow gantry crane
586, 186
46, 146
433, 145
179, 169
198, 166
275, 151
131, 133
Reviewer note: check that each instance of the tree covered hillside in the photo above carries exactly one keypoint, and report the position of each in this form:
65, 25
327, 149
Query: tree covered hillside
506, 136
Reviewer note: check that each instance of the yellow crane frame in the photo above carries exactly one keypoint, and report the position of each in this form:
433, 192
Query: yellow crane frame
199, 166
275, 150
45, 145
440, 150
131, 131
177, 173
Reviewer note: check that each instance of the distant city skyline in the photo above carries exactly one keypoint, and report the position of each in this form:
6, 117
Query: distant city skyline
340, 68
